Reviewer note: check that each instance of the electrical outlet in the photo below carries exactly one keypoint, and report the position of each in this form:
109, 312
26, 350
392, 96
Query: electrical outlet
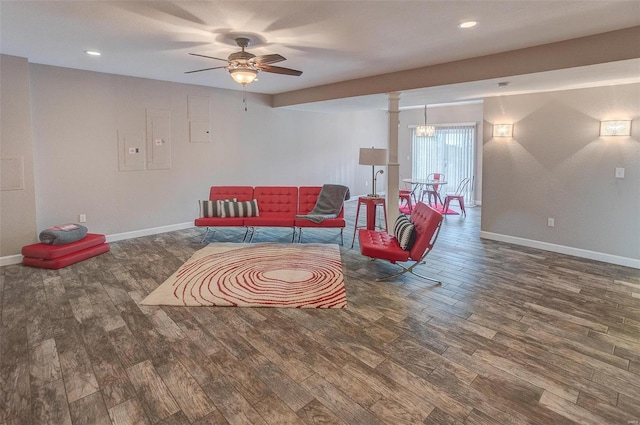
619, 173
82, 218
551, 222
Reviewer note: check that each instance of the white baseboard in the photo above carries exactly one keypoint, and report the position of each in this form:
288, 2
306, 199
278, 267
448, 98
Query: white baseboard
17, 259
148, 232
561, 249
10, 259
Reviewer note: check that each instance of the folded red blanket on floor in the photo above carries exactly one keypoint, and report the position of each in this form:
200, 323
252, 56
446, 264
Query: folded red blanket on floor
49, 252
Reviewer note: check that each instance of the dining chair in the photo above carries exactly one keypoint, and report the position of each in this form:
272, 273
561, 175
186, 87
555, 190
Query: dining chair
406, 206
408, 189
458, 195
433, 190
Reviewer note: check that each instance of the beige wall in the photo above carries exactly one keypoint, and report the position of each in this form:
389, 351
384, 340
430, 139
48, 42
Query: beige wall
17, 207
65, 123
76, 116
557, 166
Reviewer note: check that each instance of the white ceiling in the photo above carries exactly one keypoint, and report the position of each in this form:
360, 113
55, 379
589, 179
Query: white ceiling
330, 41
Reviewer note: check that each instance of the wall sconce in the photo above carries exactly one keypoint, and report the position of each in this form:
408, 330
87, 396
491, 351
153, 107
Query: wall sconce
373, 157
615, 128
503, 130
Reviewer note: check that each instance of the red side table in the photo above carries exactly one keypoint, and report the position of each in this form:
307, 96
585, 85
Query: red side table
372, 204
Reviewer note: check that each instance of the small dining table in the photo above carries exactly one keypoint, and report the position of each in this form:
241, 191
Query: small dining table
422, 184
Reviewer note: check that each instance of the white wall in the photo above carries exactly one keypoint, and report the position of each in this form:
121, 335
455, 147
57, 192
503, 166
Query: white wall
557, 166
76, 116
17, 207
469, 112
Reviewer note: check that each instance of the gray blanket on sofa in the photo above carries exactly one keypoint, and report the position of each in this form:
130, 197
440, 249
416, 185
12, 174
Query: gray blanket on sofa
329, 203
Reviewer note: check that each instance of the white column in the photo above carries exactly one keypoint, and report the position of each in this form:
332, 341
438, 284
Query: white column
393, 167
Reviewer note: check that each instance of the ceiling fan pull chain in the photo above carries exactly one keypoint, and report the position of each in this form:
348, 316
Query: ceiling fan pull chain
244, 98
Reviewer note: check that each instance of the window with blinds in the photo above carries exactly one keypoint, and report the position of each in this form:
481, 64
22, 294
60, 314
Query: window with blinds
451, 151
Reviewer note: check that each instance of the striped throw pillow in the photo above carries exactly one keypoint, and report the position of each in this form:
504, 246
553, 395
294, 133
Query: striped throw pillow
208, 209
404, 231
238, 209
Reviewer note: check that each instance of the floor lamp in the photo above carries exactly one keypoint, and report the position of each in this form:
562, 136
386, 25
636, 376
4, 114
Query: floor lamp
373, 157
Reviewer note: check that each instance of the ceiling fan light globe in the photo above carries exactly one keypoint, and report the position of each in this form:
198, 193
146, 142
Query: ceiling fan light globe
243, 75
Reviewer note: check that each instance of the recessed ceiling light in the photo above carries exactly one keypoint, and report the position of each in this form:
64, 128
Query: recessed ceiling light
468, 24
92, 53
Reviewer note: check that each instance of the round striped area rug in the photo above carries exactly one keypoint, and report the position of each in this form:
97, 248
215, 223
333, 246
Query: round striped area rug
257, 275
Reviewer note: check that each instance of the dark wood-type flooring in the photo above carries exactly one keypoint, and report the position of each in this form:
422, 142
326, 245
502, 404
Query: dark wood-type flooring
513, 336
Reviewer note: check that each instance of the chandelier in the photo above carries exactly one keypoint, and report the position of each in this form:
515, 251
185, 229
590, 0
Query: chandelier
425, 130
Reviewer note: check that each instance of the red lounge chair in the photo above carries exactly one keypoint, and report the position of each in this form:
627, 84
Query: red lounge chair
385, 246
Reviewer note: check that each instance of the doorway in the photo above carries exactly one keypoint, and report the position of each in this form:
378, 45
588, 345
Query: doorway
450, 151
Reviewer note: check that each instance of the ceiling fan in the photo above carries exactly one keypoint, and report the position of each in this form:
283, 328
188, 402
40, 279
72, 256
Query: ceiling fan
244, 66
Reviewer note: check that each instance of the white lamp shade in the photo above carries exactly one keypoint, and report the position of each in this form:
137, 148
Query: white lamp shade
373, 156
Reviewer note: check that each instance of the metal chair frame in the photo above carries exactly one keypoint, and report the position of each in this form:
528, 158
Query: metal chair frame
209, 229
458, 195
433, 191
341, 235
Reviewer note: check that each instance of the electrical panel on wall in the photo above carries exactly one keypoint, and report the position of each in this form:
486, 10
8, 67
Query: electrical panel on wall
199, 119
199, 132
130, 151
158, 139
12, 173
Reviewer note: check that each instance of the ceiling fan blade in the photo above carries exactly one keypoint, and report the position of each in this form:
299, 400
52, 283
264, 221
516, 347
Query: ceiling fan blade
206, 69
279, 70
265, 59
209, 57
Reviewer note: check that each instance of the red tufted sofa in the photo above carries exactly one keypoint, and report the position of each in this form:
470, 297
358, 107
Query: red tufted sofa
277, 206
